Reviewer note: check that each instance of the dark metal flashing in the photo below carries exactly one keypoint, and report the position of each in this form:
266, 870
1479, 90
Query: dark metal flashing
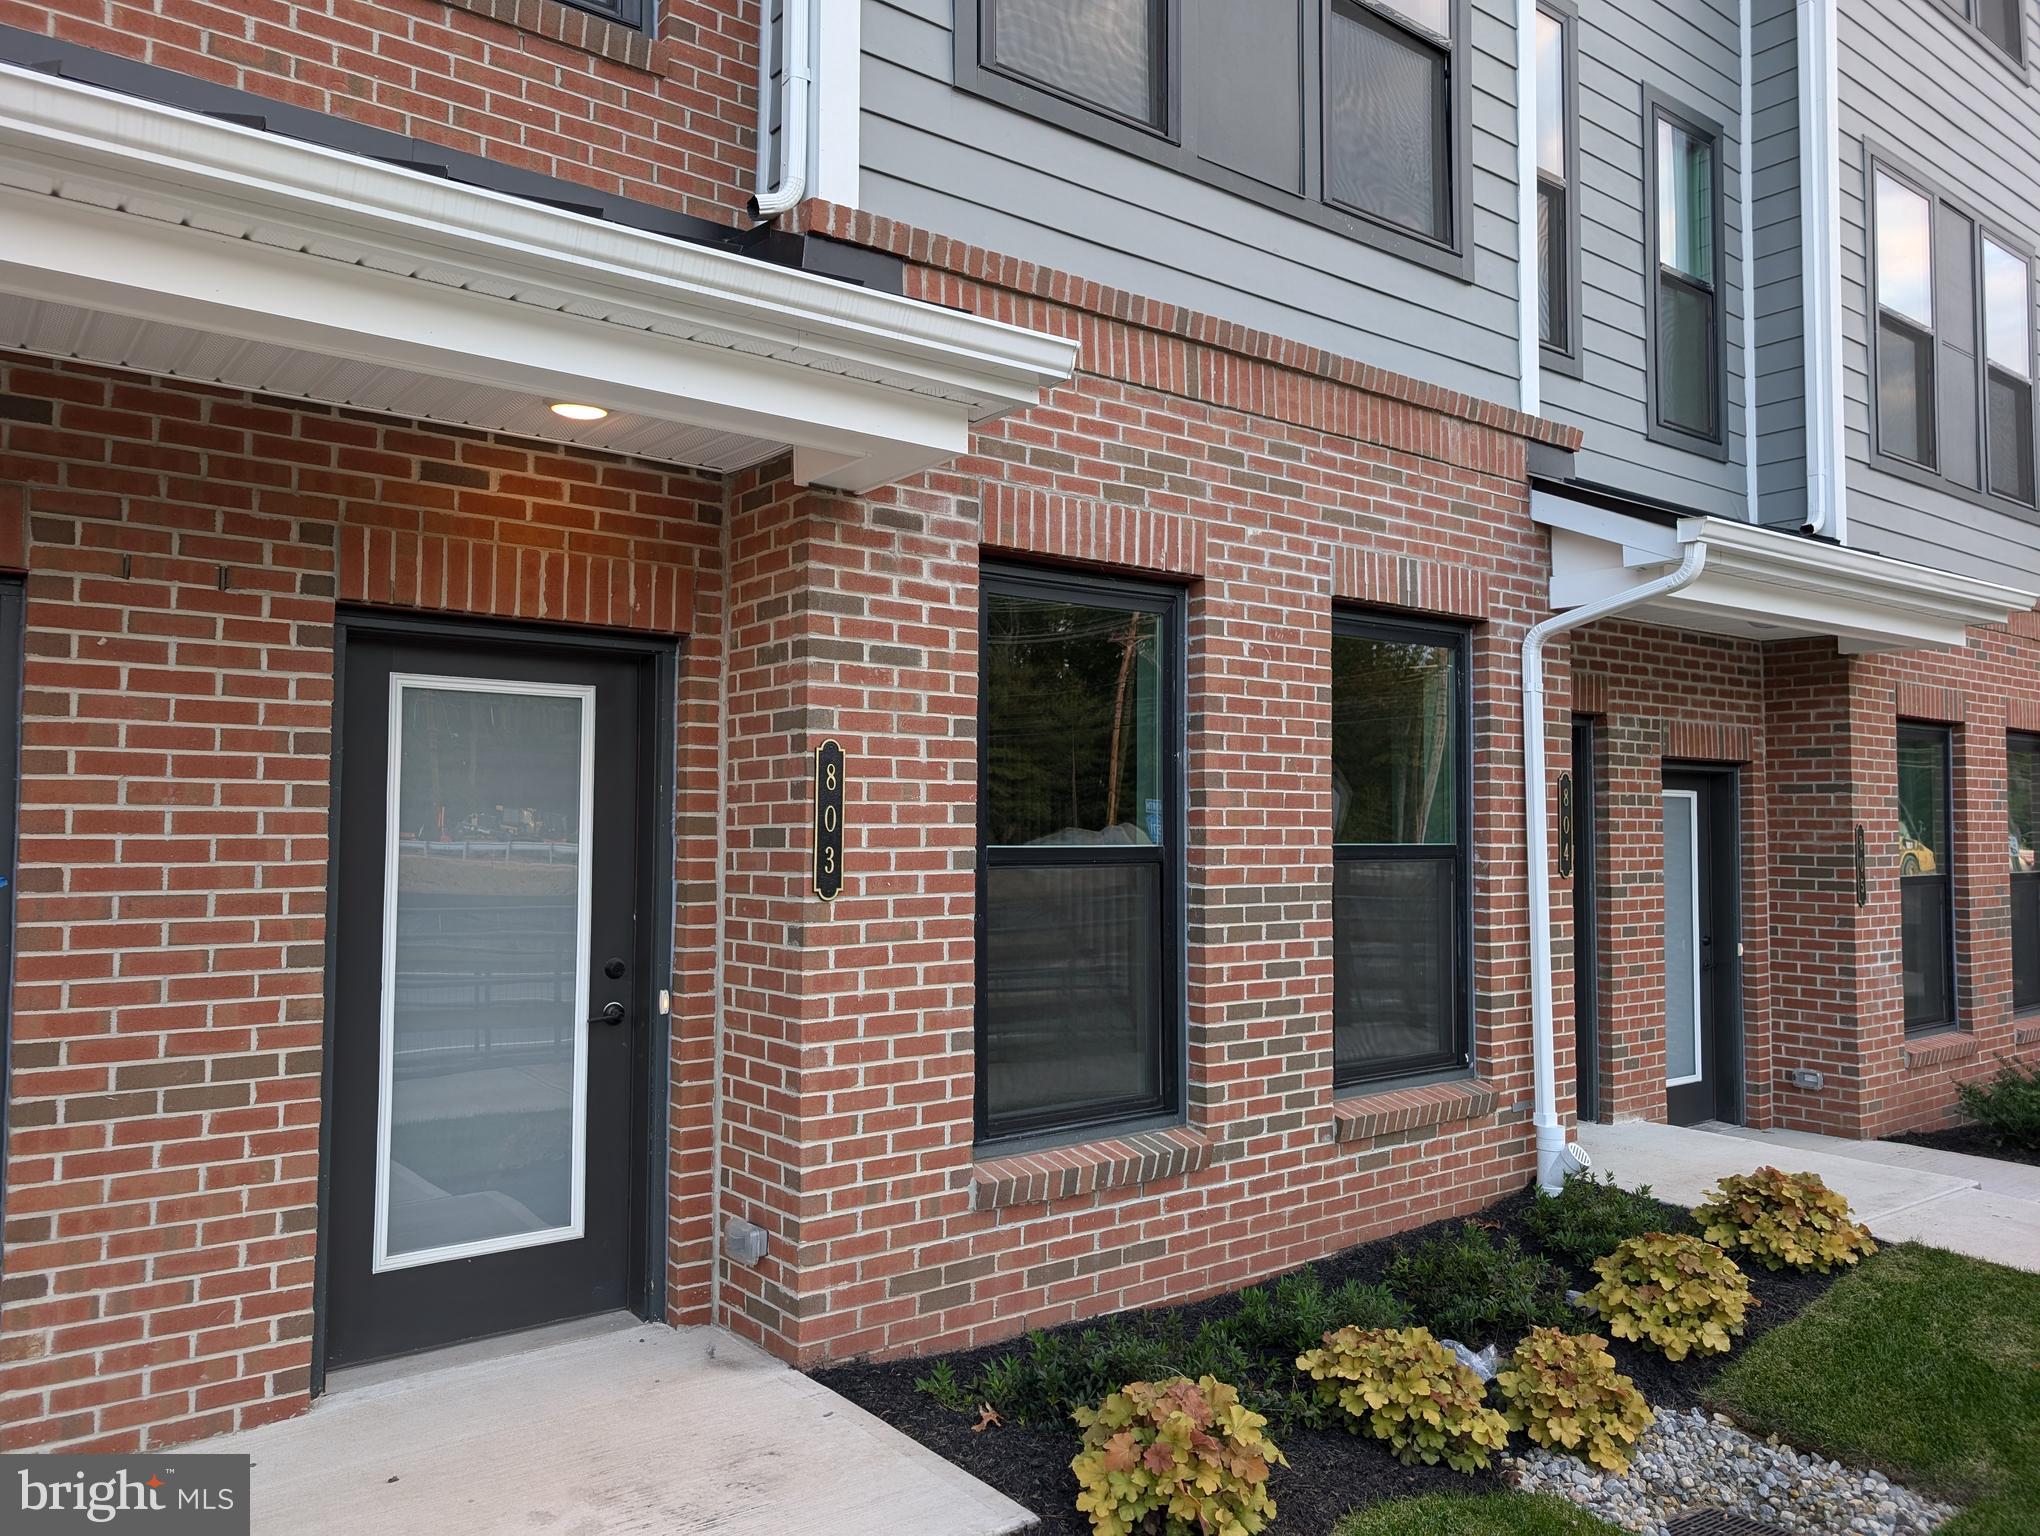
165, 87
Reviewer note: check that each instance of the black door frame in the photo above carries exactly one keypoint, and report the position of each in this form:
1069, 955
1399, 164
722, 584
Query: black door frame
659, 674
1721, 835
1586, 908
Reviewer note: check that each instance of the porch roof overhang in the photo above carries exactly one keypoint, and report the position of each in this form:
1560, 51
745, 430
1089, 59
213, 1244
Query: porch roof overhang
144, 237
1763, 583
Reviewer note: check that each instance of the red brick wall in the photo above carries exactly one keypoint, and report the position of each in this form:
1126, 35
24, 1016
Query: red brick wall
186, 551
550, 89
848, 1124
1815, 735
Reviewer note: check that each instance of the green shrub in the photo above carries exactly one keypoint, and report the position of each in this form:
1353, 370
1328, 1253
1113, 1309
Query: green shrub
1464, 1285
1282, 1319
2007, 1105
1676, 1292
1783, 1218
1175, 1458
1588, 1217
1401, 1385
946, 1387
1565, 1391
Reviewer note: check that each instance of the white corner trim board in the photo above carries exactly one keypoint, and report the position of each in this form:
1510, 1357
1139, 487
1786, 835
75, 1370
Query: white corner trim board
124, 207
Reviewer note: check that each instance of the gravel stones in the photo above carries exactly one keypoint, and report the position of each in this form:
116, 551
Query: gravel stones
1690, 1460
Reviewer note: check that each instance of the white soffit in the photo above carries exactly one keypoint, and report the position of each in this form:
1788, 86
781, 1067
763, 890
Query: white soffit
144, 237
1764, 583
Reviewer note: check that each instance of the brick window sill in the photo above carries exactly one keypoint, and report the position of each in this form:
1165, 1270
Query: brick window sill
2027, 1033
1939, 1050
567, 26
1090, 1167
1391, 1111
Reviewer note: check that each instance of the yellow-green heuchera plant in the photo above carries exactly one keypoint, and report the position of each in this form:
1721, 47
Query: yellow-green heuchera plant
1676, 1292
1401, 1385
1175, 1458
1784, 1219
1564, 1390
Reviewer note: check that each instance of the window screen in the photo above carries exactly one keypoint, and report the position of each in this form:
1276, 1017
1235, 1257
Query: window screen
2022, 804
1904, 268
1555, 256
1104, 53
1388, 113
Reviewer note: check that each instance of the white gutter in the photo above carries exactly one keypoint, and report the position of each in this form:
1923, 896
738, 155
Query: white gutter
1551, 1140
795, 76
1530, 396
1820, 264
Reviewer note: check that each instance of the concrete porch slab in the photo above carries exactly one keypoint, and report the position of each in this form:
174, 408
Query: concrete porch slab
638, 1429
1976, 1206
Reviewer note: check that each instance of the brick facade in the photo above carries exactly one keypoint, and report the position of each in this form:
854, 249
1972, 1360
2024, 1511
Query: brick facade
188, 551
1813, 735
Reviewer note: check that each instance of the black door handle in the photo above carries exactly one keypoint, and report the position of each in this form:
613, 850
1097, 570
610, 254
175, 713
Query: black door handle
612, 1013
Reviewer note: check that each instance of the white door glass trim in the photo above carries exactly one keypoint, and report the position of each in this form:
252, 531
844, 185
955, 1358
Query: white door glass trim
1689, 887
382, 1259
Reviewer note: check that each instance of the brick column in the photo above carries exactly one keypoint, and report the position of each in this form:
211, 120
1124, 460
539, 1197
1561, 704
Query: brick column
848, 1058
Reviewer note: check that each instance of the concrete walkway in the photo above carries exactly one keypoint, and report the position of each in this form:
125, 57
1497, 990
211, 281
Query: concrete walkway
623, 1428
1975, 1205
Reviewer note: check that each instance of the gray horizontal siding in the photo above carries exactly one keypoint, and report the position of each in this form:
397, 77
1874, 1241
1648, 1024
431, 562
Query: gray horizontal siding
965, 167
1778, 371
1927, 90
1692, 53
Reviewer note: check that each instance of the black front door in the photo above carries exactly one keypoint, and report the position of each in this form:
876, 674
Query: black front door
1703, 949
489, 990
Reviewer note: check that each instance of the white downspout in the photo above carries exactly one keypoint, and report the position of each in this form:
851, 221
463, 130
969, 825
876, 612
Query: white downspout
1544, 1104
1820, 263
1530, 393
795, 76
1752, 490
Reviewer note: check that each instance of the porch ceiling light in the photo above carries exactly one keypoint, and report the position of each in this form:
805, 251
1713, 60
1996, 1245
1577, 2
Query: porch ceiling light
573, 412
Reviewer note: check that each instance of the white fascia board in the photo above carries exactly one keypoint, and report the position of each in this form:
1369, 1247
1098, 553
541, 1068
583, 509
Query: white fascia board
95, 259
1762, 580
172, 176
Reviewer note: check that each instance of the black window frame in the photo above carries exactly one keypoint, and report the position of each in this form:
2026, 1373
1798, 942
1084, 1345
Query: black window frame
1943, 736
1399, 630
1658, 107
1965, 12
1879, 160
1173, 146
634, 15
2026, 937
1567, 359
1166, 1105
13, 658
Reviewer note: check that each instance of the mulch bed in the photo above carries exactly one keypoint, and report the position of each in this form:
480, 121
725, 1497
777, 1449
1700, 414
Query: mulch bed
1331, 1472
1972, 1139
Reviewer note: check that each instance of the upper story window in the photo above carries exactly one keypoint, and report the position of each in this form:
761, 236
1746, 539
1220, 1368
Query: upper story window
1687, 396
1107, 54
1351, 114
1953, 344
1558, 179
1388, 112
2001, 23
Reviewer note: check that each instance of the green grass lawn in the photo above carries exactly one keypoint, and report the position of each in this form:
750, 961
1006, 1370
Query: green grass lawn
1476, 1514
1919, 1362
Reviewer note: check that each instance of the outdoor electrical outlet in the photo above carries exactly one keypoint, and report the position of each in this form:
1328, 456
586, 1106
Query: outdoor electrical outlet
1806, 1077
744, 1242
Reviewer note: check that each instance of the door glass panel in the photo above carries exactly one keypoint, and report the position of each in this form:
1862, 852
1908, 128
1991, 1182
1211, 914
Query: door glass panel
484, 996
1682, 938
